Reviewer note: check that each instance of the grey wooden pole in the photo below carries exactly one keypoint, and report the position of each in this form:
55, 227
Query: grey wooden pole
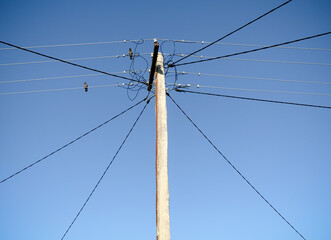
162, 186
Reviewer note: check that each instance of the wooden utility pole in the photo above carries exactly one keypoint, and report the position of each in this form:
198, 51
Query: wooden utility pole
161, 163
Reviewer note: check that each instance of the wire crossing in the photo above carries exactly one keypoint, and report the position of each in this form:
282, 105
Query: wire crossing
233, 31
253, 99
70, 63
104, 173
241, 175
66, 145
253, 50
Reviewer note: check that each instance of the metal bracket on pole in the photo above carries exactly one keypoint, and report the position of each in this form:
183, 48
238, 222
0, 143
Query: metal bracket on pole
152, 72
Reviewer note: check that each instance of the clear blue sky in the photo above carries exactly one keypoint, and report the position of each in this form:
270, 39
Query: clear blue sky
283, 150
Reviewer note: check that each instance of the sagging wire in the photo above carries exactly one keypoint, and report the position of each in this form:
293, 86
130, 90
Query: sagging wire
169, 59
139, 74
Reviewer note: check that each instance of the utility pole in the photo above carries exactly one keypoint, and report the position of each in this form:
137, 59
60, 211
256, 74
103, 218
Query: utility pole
161, 163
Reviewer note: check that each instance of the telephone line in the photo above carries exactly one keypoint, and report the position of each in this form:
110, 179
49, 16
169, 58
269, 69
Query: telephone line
259, 60
249, 51
105, 171
252, 99
66, 89
245, 77
178, 54
63, 77
68, 59
78, 44
163, 39
247, 45
70, 63
265, 14
66, 145
241, 175
251, 90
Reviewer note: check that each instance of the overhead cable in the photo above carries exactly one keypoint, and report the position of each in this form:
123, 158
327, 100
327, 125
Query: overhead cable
66, 89
178, 54
240, 174
78, 44
52, 78
68, 59
253, 50
175, 63
252, 99
70, 63
247, 45
63, 77
252, 78
258, 60
163, 39
68, 144
105, 171
253, 90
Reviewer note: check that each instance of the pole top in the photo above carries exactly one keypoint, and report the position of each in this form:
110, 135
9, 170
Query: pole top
152, 72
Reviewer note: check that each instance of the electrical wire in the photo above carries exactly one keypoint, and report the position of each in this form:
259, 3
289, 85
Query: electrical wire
66, 145
52, 78
64, 61
249, 51
240, 174
105, 171
66, 89
252, 78
77, 44
253, 90
169, 59
170, 40
61, 77
170, 56
279, 61
68, 59
256, 19
247, 45
136, 74
252, 99
259, 60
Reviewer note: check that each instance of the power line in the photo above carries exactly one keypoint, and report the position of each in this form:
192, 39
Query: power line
104, 173
179, 54
62, 77
241, 175
66, 145
163, 39
52, 78
253, 50
279, 61
259, 60
245, 77
66, 89
253, 99
70, 63
175, 63
68, 59
253, 90
78, 44
247, 45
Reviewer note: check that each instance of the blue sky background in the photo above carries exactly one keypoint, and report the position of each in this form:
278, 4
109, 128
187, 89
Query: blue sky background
283, 150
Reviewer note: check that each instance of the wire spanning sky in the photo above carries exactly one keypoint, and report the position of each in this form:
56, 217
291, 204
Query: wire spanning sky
283, 150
